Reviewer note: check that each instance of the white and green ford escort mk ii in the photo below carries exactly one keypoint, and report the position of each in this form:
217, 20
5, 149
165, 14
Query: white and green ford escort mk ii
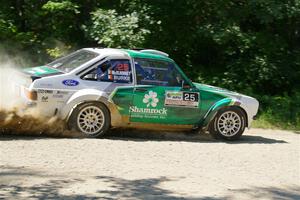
94, 89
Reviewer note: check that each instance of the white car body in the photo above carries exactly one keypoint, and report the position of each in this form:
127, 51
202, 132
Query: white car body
59, 94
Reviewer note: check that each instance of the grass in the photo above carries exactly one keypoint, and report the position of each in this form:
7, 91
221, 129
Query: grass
279, 112
267, 121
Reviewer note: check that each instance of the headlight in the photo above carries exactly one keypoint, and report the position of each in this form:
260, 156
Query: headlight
30, 94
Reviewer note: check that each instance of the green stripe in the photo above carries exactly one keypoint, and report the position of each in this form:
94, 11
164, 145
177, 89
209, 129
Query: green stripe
41, 70
137, 54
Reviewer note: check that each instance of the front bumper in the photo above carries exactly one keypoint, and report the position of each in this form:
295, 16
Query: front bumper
250, 105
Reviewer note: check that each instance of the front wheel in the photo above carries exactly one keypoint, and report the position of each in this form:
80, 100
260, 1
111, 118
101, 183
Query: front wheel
91, 119
229, 124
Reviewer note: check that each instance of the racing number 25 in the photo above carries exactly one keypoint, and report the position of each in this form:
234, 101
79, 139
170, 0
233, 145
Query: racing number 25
190, 96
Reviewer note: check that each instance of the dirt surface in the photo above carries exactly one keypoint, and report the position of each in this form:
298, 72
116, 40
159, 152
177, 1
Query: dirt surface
264, 164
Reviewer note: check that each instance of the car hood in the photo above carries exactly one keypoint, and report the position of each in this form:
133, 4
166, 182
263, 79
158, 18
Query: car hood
217, 90
41, 71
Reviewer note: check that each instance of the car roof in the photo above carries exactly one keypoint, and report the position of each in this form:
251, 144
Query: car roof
144, 53
150, 54
107, 51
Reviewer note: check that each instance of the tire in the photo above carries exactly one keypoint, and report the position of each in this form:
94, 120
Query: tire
228, 124
91, 119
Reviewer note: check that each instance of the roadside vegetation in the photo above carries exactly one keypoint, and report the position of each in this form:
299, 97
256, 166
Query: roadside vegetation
252, 47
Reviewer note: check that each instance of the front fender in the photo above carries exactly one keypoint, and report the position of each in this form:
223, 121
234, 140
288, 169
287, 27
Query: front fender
216, 107
82, 96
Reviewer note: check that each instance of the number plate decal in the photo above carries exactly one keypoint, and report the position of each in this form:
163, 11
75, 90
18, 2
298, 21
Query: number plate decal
182, 99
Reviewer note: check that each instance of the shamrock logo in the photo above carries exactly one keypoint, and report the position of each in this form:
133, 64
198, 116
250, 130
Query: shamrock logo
150, 99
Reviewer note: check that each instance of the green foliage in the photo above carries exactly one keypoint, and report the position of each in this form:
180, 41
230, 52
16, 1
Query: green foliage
113, 30
279, 112
6, 28
63, 6
252, 47
54, 12
249, 45
58, 51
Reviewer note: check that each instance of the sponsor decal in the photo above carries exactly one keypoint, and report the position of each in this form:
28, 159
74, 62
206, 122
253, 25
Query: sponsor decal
148, 109
121, 73
148, 113
114, 75
184, 99
70, 82
40, 70
135, 109
151, 99
122, 67
45, 98
62, 92
31, 72
45, 91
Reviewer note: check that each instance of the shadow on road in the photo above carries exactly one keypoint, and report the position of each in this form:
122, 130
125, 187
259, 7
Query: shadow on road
141, 136
297, 132
116, 188
251, 139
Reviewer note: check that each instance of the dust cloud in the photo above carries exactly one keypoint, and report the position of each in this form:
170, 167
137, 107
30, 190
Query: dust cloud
15, 117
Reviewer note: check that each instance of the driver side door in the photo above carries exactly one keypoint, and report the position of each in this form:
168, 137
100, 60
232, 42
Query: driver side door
159, 97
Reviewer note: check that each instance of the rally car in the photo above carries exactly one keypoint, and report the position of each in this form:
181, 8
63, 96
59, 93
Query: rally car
94, 89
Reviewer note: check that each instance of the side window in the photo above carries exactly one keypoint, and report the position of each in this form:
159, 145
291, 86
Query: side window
96, 72
117, 71
160, 73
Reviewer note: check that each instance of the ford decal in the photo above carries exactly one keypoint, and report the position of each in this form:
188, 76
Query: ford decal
70, 82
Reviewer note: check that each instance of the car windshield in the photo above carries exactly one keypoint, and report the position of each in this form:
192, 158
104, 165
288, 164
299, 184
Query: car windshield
72, 61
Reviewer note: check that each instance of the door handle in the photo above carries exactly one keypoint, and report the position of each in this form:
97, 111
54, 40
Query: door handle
141, 89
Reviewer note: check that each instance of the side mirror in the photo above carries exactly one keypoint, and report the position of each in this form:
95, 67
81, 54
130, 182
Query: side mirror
185, 85
89, 76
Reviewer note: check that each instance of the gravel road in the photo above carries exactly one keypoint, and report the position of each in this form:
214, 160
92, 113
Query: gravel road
264, 164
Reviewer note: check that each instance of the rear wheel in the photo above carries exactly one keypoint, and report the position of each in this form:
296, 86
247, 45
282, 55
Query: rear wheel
228, 124
91, 119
